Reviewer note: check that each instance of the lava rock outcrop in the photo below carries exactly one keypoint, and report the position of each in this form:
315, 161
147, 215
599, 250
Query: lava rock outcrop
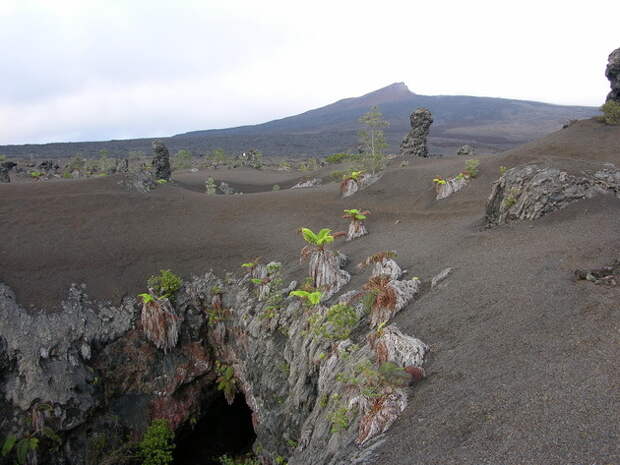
532, 191
414, 143
612, 72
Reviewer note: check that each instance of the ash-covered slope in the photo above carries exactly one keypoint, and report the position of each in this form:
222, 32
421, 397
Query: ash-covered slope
491, 124
522, 357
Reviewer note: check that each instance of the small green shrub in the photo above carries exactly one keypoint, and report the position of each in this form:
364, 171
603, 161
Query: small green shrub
2, 157
471, 168
226, 380
337, 158
166, 284
611, 112
157, 444
337, 175
36, 174
275, 187
227, 460
67, 175
339, 321
313, 298
340, 419
502, 170
182, 160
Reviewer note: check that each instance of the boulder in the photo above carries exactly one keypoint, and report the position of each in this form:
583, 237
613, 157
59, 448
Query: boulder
224, 188
5, 167
466, 150
161, 161
414, 143
532, 191
612, 72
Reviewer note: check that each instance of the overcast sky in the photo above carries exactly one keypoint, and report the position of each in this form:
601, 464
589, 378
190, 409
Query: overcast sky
93, 70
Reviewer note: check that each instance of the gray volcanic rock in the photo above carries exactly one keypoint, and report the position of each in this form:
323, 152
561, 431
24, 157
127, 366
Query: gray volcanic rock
531, 191
161, 161
122, 166
139, 179
613, 74
414, 143
4, 171
466, 150
224, 188
90, 371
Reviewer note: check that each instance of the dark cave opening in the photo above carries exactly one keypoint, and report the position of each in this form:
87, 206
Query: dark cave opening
222, 429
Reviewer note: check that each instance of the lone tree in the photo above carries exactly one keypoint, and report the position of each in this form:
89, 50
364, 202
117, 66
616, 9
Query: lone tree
372, 139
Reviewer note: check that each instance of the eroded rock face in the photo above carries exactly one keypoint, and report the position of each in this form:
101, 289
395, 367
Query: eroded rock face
612, 72
161, 161
414, 144
531, 191
93, 366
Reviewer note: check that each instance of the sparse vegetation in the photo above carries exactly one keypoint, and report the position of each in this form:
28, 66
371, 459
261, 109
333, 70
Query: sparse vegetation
275, 188
471, 168
611, 112
157, 444
337, 323
227, 460
165, 284
337, 158
182, 160
225, 381
502, 170
312, 298
340, 419
355, 215
372, 140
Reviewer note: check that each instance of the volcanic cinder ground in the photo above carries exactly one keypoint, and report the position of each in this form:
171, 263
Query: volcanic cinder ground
524, 360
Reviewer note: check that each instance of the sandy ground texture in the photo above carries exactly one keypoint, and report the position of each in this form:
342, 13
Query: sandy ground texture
524, 360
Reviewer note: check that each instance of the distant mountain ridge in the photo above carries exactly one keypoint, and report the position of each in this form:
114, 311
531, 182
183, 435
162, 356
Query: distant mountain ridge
491, 124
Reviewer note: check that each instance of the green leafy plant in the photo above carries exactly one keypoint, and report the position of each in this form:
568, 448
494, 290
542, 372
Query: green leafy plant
22, 447
165, 284
313, 298
471, 168
372, 139
162, 181
320, 239
337, 324
611, 112
157, 444
182, 160
439, 180
340, 419
37, 174
227, 460
502, 170
225, 381
355, 214
337, 158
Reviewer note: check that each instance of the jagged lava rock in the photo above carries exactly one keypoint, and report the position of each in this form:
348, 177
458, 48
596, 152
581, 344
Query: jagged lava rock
414, 143
531, 191
161, 161
612, 72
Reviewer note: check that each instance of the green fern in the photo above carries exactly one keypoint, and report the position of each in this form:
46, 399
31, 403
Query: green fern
312, 298
323, 237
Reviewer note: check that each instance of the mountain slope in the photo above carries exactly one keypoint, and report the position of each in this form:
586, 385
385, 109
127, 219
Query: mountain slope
490, 124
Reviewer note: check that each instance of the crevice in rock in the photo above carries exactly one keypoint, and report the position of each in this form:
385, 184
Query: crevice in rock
222, 429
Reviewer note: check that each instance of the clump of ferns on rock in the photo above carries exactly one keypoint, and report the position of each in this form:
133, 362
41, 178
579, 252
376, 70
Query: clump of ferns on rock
357, 228
323, 263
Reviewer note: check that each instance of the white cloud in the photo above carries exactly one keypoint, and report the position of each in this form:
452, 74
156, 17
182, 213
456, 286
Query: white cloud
75, 70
